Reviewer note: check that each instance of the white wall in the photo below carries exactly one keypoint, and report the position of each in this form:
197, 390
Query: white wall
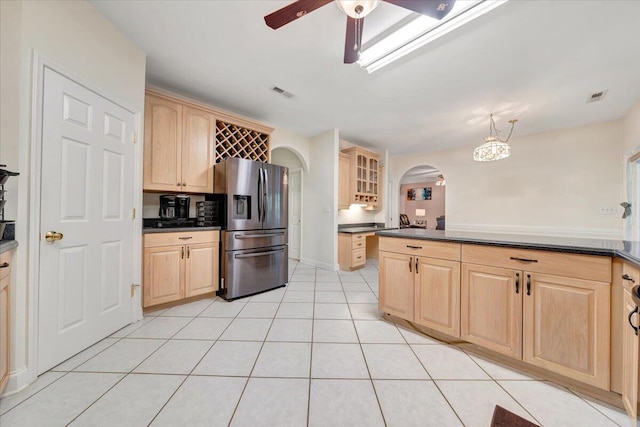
298, 144
554, 183
77, 38
632, 130
284, 156
320, 202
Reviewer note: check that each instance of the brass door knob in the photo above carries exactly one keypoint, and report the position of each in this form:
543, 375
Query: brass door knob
52, 236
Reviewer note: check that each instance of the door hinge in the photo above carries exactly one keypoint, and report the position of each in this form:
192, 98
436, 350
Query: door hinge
135, 137
133, 213
133, 289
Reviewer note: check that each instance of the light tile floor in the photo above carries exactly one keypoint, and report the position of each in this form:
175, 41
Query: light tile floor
316, 353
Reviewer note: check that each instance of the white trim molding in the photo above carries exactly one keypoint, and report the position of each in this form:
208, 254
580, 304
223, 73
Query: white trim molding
586, 233
318, 264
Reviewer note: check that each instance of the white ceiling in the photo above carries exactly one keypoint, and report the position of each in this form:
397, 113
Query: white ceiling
537, 60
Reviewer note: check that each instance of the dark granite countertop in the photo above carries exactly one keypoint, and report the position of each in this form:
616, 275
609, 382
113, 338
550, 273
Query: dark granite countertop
620, 248
366, 227
148, 230
7, 245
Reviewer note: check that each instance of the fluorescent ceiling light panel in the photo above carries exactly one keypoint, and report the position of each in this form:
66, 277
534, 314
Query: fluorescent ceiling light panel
421, 31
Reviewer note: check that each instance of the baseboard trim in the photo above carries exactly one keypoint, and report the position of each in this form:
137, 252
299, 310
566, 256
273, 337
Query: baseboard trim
319, 264
18, 381
585, 233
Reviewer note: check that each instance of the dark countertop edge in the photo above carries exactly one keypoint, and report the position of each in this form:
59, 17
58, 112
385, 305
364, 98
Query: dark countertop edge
357, 230
7, 245
524, 245
361, 224
150, 230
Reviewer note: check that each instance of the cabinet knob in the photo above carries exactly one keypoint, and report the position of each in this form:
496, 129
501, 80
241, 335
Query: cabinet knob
184, 184
178, 184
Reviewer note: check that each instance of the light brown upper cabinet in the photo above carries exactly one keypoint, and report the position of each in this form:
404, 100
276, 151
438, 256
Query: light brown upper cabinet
364, 176
178, 147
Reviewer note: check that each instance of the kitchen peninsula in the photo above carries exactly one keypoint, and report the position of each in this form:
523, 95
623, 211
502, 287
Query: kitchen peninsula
559, 304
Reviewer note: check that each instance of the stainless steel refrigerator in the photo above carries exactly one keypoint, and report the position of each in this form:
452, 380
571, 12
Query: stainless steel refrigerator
254, 201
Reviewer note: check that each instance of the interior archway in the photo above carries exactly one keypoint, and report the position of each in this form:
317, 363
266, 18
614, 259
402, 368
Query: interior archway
284, 156
421, 198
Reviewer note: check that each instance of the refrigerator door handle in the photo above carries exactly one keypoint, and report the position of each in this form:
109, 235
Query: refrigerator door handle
266, 195
255, 254
260, 186
253, 236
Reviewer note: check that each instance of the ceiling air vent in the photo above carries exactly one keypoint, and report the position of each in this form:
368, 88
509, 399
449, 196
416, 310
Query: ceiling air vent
596, 96
282, 92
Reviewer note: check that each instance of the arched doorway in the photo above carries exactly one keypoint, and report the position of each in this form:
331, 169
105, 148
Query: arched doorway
284, 156
422, 198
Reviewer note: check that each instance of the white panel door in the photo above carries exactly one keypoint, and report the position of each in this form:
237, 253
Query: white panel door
87, 196
295, 212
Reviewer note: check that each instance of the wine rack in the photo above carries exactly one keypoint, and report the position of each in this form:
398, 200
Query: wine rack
236, 141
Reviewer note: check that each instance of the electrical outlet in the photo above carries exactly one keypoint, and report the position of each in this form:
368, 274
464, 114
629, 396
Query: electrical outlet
608, 211
326, 209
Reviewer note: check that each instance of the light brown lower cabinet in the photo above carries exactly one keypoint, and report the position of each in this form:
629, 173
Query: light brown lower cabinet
566, 327
558, 323
630, 343
180, 265
5, 277
418, 288
491, 312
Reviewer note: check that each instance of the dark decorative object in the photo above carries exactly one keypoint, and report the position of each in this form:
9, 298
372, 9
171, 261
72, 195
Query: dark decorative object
504, 418
419, 193
4, 176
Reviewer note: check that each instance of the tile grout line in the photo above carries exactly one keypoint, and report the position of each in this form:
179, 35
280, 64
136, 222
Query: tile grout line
590, 404
500, 385
313, 325
131, 370
195, 365
375, 392
246, 384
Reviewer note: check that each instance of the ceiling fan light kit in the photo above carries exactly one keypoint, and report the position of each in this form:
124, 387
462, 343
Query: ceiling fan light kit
493, 148
355, 10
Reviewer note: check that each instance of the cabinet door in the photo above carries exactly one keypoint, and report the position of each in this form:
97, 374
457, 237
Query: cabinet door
163, 274
437, 301
491, 308
4, 331
162, 144
343, 182
566, 327
197, 150
202, 269
630, 356
396, 284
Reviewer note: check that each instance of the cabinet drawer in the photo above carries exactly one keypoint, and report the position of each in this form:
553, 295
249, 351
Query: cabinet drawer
5, 257
358, 243
590, 267
628, 270
415, 247
181, 238
357, 257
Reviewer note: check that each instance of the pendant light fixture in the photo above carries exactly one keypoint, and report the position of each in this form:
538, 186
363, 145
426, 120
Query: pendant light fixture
440, 180
493, 148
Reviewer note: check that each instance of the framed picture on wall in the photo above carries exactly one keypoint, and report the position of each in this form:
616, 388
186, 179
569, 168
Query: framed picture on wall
419, 193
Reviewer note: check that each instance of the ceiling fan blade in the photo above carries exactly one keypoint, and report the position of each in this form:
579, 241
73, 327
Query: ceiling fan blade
353, 40
292, 12
437, 9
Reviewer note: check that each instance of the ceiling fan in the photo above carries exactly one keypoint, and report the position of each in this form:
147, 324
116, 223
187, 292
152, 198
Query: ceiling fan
356, 10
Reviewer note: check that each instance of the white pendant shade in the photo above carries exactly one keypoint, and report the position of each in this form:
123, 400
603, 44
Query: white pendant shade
492, 149
349, 7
